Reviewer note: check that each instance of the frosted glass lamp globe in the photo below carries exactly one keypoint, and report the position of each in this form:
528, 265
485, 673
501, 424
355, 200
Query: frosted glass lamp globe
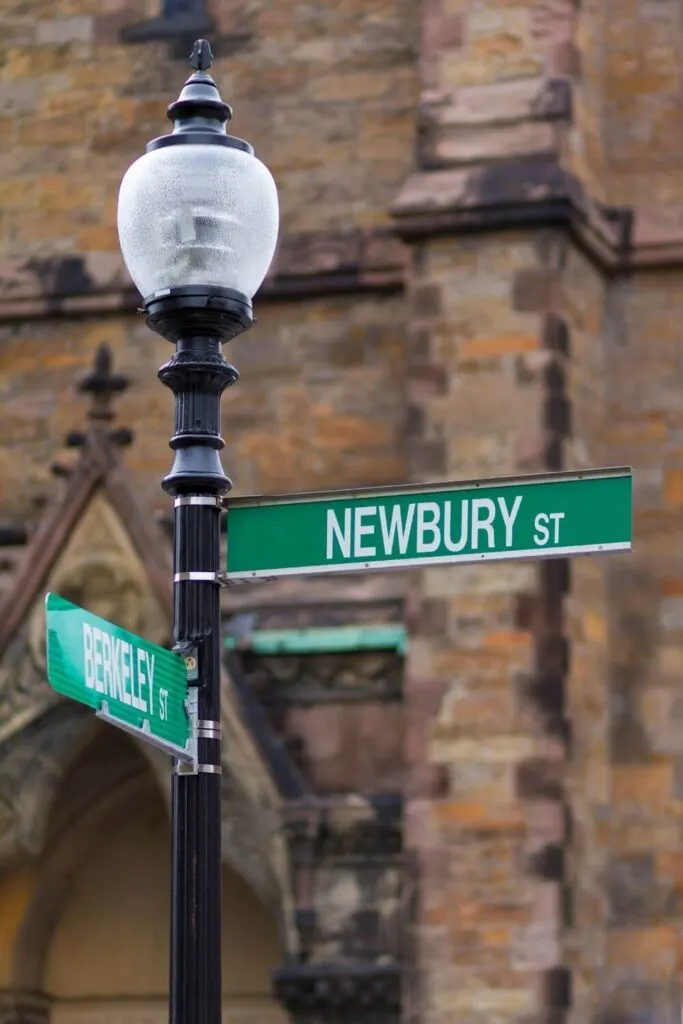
197, 214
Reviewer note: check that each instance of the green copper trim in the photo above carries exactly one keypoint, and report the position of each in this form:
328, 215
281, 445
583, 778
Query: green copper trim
323, 640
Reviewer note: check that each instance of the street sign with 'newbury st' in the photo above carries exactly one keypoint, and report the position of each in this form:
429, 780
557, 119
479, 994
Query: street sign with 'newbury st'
131, 683
560, 514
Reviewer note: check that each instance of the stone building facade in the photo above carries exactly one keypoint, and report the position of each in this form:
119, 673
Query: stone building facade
471, 812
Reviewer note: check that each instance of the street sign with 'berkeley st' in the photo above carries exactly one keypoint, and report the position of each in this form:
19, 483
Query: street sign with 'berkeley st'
555, 515
130, 682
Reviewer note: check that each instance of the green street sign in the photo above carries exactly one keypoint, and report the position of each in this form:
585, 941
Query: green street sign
130, 683
545, 516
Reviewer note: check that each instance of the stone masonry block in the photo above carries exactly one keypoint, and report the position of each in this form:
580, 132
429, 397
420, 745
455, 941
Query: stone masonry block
532, 289
634, 895
78, 29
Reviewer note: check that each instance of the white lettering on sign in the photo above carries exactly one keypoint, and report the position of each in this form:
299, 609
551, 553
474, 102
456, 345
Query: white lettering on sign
125, 671
363, 529
458, 545
336, 532
97, 650
150, 659
557, 517
509, 516
142, 678
542, 530
88, 657
106, 662
428, 532
397, 528
483, 514
367, 530
117, 669
116, 682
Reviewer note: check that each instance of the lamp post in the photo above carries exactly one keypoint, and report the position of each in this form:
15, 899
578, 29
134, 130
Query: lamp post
198, 223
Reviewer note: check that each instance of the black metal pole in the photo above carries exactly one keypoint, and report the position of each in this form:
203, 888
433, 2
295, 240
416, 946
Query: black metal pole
198, 318
198, 375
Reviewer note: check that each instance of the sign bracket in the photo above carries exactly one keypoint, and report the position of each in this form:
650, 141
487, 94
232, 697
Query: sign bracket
186, 753
191, 766
225, 580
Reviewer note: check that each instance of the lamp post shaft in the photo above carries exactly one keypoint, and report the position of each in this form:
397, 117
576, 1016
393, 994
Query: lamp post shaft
197, 375
198, 228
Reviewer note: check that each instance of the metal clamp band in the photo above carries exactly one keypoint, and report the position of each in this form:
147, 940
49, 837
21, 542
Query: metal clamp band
209, 730
227, 581
196, 577
205, 769
198, 499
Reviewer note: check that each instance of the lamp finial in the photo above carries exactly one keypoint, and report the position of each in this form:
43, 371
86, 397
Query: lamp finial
201, 57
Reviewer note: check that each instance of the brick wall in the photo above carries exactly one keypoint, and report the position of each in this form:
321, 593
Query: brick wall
325, 93
627, 100
319, 403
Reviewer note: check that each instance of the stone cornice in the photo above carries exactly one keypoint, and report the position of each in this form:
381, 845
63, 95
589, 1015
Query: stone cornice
537, 191
490, 157
449, 194
306, 266
365, 993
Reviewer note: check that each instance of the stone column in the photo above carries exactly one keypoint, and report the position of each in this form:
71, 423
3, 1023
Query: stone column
487, 733
626, 629
484, 691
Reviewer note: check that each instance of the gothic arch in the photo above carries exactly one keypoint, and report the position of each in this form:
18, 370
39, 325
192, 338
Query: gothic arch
71, 835
37, 760
106, 788
97, 544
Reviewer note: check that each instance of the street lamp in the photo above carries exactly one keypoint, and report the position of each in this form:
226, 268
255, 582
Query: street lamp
198, 223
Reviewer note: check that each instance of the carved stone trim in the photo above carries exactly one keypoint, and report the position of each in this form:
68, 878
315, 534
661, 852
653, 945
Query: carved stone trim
13, 535
535, 192
351, 881
288, 779
306, 266
301, 613
147, 537
309, 679
42, 551
24, 1008
31, 765
96, 468
345, 829
320, 994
